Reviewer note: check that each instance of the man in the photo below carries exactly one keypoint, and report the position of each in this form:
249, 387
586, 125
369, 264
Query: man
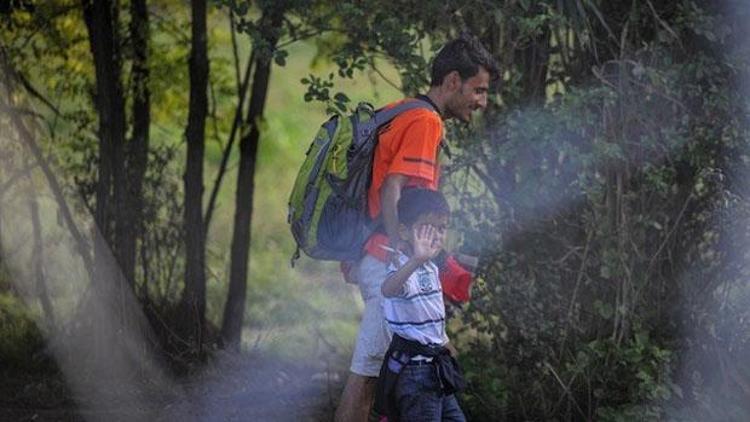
407, 155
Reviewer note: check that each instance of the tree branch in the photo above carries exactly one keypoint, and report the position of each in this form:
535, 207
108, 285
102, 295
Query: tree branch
242, 93
28, 140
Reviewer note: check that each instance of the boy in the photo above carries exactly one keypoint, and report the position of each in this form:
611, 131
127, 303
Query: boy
418, 376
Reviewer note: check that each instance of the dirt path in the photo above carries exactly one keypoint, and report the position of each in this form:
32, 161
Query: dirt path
236, 389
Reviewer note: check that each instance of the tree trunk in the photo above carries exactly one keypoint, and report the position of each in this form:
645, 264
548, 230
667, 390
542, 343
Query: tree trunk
534, 62
101, 18
234, 309
194, 296
2, 193
37, 262
137, 153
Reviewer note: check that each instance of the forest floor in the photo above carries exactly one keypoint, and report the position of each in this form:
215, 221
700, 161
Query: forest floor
243, 388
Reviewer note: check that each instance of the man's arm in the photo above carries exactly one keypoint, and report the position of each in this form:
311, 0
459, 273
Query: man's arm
390, 192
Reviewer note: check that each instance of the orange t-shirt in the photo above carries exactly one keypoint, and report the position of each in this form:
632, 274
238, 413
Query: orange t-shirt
408, 145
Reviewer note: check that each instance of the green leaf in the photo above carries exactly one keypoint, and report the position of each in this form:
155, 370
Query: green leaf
604, 310
341, 97
241, 9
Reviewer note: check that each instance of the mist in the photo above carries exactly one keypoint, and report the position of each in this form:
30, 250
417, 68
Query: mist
93, 326
96, 331
613, 258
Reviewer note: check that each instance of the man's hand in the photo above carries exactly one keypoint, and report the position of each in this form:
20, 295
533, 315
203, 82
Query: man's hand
469, 262
348, 270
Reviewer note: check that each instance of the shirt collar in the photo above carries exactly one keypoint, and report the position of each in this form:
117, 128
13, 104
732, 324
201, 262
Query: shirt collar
430, 102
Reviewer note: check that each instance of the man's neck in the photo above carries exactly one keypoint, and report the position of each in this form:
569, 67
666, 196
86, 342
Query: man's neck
438, 99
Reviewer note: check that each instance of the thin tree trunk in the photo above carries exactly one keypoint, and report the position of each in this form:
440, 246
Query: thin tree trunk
137, 154
194, 297
37, 263
236, 123
2, 193
234, 309
101, 20
535, 62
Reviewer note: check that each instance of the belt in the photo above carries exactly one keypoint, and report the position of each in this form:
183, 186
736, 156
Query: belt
420, 360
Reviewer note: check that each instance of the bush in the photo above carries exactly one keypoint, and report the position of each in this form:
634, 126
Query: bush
609, 222
22, 344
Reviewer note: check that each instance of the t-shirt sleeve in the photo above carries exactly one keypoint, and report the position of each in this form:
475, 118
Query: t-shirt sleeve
416, 154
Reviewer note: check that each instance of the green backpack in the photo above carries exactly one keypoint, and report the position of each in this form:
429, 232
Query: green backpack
328, 205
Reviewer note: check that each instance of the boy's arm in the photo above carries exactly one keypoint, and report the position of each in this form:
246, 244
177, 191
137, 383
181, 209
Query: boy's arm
424, 247
394, 284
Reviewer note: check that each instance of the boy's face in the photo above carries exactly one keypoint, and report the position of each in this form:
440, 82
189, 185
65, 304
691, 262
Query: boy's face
437, 220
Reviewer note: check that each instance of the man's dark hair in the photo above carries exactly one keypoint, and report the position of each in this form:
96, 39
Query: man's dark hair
465, 55
418, 201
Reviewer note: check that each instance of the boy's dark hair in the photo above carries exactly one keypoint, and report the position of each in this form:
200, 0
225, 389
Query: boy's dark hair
464, 54
418, 201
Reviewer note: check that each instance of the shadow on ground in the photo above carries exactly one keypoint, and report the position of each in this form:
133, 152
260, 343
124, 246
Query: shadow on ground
233, 388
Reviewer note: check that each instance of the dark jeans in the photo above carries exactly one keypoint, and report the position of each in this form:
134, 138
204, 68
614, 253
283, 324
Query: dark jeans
420, 398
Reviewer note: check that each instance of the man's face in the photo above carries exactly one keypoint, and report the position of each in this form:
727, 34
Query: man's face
469, 96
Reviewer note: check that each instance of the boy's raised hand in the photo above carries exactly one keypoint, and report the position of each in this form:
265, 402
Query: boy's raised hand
426, 242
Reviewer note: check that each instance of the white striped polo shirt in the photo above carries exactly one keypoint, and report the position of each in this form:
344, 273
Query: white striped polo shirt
418, 312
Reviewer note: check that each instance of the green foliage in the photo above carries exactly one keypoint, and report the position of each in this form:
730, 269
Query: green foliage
612, 378
363, 32
319, 89
604, 189
21, 342
595, 199
606, 218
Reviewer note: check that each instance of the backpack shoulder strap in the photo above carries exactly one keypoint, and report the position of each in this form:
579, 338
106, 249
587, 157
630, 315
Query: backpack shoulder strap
384, 116
363, 130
